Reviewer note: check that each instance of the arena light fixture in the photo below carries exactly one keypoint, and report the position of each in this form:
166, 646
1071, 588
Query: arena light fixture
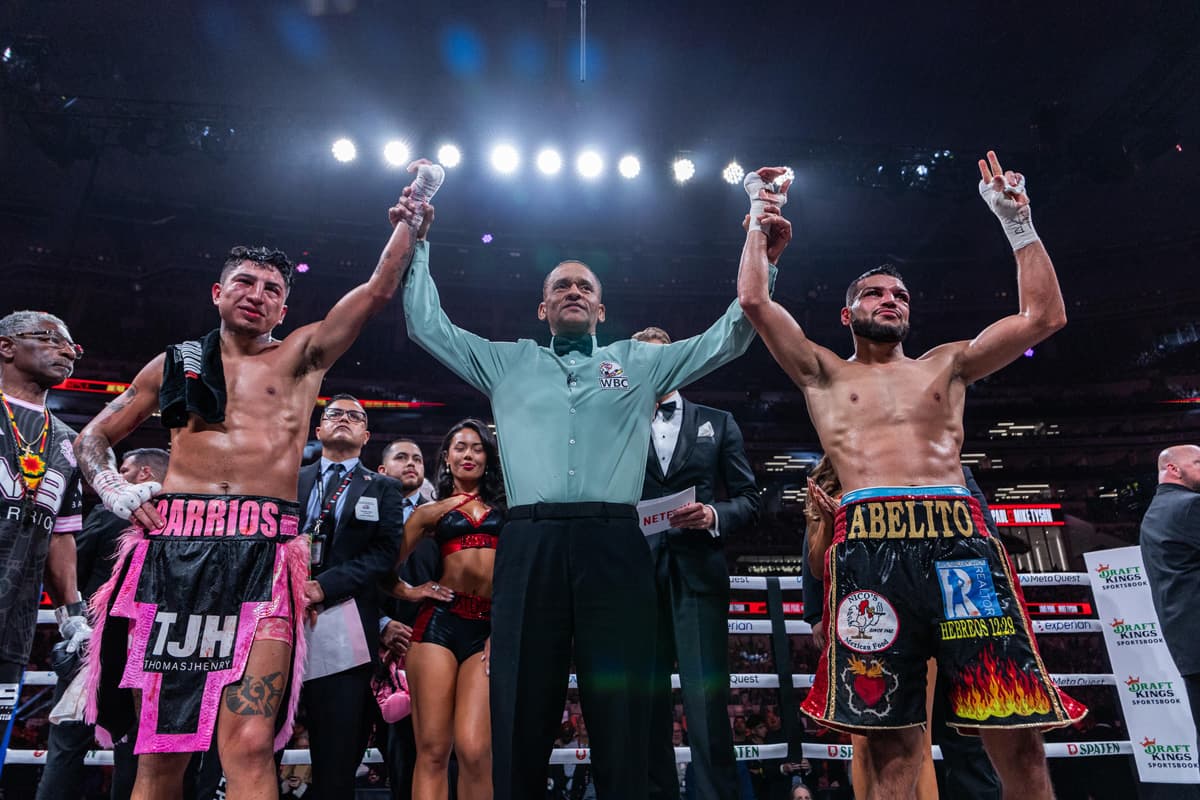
344, 150
684, 169
449, 156
733, 173
549, 162
396, 153
505, 159
589, 164
629, 167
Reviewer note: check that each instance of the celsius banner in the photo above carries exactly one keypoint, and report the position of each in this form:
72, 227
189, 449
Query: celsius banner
1152, 694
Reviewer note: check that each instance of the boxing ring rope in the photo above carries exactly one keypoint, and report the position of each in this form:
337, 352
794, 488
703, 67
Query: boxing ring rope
582, 755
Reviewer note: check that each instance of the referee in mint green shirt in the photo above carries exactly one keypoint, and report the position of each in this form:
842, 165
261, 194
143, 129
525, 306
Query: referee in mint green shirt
572, 567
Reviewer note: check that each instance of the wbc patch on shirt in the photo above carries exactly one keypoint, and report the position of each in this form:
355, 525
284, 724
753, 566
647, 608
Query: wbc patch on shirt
612, 376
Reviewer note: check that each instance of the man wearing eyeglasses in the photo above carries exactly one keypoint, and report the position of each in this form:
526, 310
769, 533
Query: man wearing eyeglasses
354, 519
204, 614
40, 498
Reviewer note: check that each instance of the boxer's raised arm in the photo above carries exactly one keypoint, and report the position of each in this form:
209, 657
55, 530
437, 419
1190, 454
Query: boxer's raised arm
767, 233
325, 341
1041, 310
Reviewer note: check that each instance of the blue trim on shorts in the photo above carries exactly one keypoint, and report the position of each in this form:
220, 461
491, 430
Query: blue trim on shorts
872, 492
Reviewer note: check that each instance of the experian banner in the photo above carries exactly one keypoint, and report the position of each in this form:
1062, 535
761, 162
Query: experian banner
1152, 693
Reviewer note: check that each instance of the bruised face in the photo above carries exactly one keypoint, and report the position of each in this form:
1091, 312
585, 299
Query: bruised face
879, 311
251, 298
405, 463
571, 300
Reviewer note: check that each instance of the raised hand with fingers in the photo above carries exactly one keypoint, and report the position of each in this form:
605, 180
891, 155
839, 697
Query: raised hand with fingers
762, 189
413, 207
1004, 192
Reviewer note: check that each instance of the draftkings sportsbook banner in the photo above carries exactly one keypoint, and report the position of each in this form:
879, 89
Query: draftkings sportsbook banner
1152, 694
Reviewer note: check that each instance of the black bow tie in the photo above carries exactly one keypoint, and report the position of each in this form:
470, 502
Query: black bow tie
667, 410
565, 344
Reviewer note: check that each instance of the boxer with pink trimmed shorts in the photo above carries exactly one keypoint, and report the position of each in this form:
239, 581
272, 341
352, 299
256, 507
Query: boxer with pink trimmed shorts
201, 619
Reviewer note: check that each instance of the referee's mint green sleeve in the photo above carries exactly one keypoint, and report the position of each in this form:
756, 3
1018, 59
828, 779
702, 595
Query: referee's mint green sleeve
688, 360
476, 360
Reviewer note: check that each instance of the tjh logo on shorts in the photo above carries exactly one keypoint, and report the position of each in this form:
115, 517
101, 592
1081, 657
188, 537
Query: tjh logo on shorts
866, 622
967, 589
612, 376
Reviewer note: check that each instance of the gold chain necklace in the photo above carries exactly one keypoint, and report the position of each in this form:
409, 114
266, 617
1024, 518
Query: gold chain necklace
31, 465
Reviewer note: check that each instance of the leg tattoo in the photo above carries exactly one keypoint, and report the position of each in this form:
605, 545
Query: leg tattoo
253, 696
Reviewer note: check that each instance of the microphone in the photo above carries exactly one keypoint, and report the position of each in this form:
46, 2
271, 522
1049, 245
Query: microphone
571, 379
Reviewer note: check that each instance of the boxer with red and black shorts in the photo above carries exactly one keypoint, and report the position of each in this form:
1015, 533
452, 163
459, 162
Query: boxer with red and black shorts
887, 419
913, 574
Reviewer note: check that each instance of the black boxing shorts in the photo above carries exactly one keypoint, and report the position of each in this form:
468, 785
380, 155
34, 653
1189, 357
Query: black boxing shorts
462, 625
913, 574
185, 603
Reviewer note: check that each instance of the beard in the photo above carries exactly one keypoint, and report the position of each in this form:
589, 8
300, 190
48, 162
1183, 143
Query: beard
879, 331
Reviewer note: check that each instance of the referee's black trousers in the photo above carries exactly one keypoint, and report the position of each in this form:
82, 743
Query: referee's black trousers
576, 572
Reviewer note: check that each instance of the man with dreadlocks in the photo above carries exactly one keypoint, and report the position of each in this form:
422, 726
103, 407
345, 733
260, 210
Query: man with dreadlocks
202, 617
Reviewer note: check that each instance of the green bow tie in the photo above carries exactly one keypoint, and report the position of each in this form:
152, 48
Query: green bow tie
565, 344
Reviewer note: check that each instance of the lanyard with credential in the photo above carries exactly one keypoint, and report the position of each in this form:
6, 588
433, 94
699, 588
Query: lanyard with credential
316, 539
331, 501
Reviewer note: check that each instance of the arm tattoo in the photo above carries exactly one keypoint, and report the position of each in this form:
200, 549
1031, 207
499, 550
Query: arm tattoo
94, 451
253, 696
95, 454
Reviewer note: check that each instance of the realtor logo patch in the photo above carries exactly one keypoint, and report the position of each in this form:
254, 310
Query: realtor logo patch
612, 376
967, 589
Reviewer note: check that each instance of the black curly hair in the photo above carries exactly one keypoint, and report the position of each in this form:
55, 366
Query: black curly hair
260, 255
491, 485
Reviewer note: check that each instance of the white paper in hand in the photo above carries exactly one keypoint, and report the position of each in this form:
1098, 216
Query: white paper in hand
652, 514
336, 642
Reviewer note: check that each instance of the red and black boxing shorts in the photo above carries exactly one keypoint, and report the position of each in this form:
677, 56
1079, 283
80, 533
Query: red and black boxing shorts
913, 574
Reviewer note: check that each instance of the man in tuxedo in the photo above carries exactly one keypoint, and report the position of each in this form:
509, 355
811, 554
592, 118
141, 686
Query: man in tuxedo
355, 520
694, 445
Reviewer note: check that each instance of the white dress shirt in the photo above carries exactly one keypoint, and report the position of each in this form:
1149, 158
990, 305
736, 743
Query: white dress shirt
315, 497
664, 433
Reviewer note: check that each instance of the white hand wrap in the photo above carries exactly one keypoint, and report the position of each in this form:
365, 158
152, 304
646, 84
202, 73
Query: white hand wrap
1016, 219
424, 187
754, 183
73, 625
119, 495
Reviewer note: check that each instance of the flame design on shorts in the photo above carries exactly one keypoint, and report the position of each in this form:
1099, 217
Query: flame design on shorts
998, 688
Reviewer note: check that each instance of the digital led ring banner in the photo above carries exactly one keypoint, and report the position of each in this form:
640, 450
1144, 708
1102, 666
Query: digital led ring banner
1152, 694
